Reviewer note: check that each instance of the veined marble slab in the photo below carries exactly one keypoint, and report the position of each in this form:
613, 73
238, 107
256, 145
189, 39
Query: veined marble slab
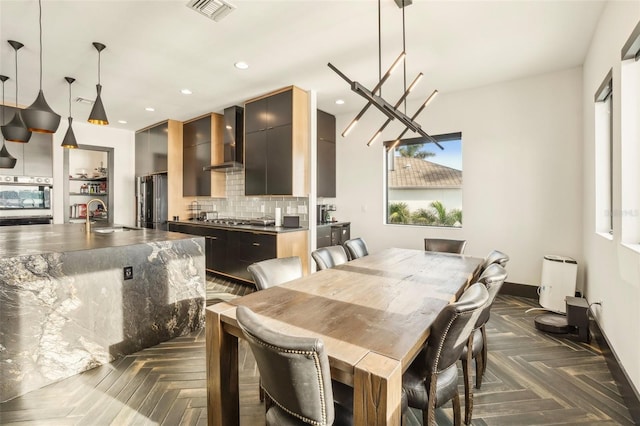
62, 313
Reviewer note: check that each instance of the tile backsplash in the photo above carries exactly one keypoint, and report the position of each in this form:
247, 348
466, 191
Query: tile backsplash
236, 204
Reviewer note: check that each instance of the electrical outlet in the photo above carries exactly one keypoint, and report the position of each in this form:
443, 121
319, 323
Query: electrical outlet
128, 272
262, 208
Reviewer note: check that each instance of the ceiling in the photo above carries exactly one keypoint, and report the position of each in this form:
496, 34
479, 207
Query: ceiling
156, 48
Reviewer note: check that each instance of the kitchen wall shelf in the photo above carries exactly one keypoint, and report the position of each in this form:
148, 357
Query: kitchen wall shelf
78, 190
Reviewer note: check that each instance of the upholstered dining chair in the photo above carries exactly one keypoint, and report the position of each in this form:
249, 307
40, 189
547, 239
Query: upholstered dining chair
295, 376
328, 257
495, 256
268, 273
493, 277
356, 248
432, 378
444, 245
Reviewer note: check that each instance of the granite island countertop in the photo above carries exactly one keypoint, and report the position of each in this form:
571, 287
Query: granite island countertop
39, 239
71, 301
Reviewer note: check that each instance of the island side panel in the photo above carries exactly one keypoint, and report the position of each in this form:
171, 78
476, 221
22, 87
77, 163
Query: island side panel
64, 313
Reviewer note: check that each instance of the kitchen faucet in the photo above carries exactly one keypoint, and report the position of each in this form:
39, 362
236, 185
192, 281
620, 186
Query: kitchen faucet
87, 227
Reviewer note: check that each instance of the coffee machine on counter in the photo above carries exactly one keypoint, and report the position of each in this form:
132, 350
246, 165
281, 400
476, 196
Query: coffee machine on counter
324, 212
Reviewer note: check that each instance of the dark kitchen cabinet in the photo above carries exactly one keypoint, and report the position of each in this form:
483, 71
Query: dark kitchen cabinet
216, 249
230, 251
323, 236
268, 162
269, 112
152, 146
340, 233
276, 144
245, 248
196, 154
326, 151
215, 243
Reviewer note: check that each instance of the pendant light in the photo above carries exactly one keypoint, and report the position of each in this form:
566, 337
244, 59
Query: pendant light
16, 130
98, 115
69, 140
7, 161
374, 97
39, 117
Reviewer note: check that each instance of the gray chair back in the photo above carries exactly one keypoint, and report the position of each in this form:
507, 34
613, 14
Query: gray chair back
444, 245
275, 271
294, 370
328, 257
493, 277
356, 248
495, 256
452, 328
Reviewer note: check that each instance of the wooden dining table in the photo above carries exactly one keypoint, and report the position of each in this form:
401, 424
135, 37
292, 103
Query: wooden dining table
373, 314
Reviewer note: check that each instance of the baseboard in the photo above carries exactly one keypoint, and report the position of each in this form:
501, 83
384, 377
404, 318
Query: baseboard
520, 290
627, 390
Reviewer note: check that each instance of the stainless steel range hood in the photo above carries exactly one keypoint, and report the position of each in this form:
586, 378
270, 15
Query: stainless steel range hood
233, 141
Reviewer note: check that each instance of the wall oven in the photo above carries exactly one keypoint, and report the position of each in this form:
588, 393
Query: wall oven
25, 200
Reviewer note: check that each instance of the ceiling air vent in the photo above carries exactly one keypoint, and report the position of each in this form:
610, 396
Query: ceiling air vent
212, 9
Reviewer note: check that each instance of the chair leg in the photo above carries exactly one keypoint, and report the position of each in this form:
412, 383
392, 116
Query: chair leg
467, 389
485, 346
456, 409
479, 369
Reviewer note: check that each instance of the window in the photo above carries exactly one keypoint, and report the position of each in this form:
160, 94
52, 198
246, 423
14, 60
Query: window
603, 156
424, 183
630, 139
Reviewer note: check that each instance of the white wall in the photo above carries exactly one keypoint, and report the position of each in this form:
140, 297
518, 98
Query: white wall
613, 270
123, 142
522, 171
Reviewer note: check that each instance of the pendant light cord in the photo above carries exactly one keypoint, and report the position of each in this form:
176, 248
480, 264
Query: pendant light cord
99, 55
16, 51
379, 47
69, 99
404, 63
3, 108
40, 22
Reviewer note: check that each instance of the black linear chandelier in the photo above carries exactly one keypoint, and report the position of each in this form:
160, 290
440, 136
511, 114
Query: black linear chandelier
374, 97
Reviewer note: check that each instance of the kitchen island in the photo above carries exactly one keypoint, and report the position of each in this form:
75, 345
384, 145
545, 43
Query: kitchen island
70, 301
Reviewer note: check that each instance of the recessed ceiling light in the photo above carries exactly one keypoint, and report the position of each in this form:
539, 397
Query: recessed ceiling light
339, 102
122, 121
150, 109
241, 65
186, 92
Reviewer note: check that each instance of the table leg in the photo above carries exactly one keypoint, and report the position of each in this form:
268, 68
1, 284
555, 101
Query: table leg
377, 387
223, 402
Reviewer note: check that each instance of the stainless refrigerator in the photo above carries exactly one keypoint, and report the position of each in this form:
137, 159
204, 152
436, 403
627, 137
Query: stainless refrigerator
152, 203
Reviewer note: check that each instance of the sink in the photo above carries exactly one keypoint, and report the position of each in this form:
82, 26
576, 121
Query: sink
112, 229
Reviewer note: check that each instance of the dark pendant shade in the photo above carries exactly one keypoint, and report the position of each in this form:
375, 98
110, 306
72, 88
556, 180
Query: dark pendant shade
69, 140
98, 114
39, 117
16, 130
7, 161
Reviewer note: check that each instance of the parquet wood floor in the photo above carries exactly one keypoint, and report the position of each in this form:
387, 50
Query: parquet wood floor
532, 379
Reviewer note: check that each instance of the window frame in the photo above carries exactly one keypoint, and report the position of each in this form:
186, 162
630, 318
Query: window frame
603, 95
629, 139
394, 144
